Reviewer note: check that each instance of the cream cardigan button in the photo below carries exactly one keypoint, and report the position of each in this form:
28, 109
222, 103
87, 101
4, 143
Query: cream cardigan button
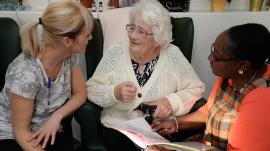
139, 95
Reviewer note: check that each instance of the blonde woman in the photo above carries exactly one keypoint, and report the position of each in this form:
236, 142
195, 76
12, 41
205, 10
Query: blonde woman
45, 83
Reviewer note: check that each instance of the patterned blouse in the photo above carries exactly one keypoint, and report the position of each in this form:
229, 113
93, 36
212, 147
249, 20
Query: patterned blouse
148, 68
224, 112
27, 78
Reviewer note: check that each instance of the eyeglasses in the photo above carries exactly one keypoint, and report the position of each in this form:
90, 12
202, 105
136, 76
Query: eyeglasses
213, 57
140, 32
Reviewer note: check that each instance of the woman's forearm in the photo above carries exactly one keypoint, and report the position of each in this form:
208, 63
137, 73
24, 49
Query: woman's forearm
22, 136
71, 106
195, 120
22, 111
78, 96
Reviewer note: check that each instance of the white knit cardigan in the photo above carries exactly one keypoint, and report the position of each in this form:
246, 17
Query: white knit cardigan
173, 78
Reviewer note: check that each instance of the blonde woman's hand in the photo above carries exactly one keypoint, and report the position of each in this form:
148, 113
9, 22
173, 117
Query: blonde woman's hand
164, 126
164, 108
47, 131
125, 92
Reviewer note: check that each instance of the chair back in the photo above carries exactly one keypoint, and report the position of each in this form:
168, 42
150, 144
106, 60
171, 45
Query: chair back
94, 49
183, 34
9, 45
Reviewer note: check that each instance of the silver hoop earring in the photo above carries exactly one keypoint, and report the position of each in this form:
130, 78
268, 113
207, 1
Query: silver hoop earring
240, 71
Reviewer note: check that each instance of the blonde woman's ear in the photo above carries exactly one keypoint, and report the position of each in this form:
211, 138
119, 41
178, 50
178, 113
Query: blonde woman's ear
67, 41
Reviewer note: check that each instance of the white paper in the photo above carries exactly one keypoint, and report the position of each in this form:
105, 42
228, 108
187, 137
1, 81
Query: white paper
140, 132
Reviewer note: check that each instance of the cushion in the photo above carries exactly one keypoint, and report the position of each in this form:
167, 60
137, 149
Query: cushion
9, 45
113, 24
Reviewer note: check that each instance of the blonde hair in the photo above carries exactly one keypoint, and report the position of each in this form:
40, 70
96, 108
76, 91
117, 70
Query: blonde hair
155, 15
60, 19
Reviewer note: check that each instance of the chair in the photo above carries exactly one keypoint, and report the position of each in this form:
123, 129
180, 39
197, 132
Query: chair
88, 116
9, 44
183, 33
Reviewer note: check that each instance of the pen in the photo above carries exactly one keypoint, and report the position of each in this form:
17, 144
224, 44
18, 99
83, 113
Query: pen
49, 85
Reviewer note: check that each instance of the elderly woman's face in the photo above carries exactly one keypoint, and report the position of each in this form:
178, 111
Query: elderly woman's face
222, 62
140, 36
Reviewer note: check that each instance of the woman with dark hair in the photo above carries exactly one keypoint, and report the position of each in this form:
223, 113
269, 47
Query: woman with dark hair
236, 112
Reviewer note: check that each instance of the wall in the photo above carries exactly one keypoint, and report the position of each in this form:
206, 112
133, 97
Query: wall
207, 27
204, 5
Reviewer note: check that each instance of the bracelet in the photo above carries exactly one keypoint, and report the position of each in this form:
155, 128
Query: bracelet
176, 123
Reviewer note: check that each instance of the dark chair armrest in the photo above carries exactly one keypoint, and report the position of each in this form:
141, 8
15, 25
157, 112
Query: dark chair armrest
88, 116
198, 104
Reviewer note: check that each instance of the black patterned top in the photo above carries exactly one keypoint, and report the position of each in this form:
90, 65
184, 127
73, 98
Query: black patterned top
148, 68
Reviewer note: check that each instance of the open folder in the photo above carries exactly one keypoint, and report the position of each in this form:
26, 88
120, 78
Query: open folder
140, 132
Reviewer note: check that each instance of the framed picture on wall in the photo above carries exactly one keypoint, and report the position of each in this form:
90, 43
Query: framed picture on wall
176, 5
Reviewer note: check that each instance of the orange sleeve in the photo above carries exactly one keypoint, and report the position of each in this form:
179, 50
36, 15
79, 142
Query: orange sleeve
252, 128
205, 108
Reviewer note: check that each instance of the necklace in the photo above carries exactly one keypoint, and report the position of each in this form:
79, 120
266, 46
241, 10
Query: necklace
141, 69
246, 85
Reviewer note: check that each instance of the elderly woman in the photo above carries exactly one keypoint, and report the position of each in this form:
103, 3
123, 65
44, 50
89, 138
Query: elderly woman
236, 114
148, 71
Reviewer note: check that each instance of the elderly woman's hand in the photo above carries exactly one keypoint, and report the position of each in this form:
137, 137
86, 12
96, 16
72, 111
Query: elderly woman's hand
125, 91
164, 126
164, 108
